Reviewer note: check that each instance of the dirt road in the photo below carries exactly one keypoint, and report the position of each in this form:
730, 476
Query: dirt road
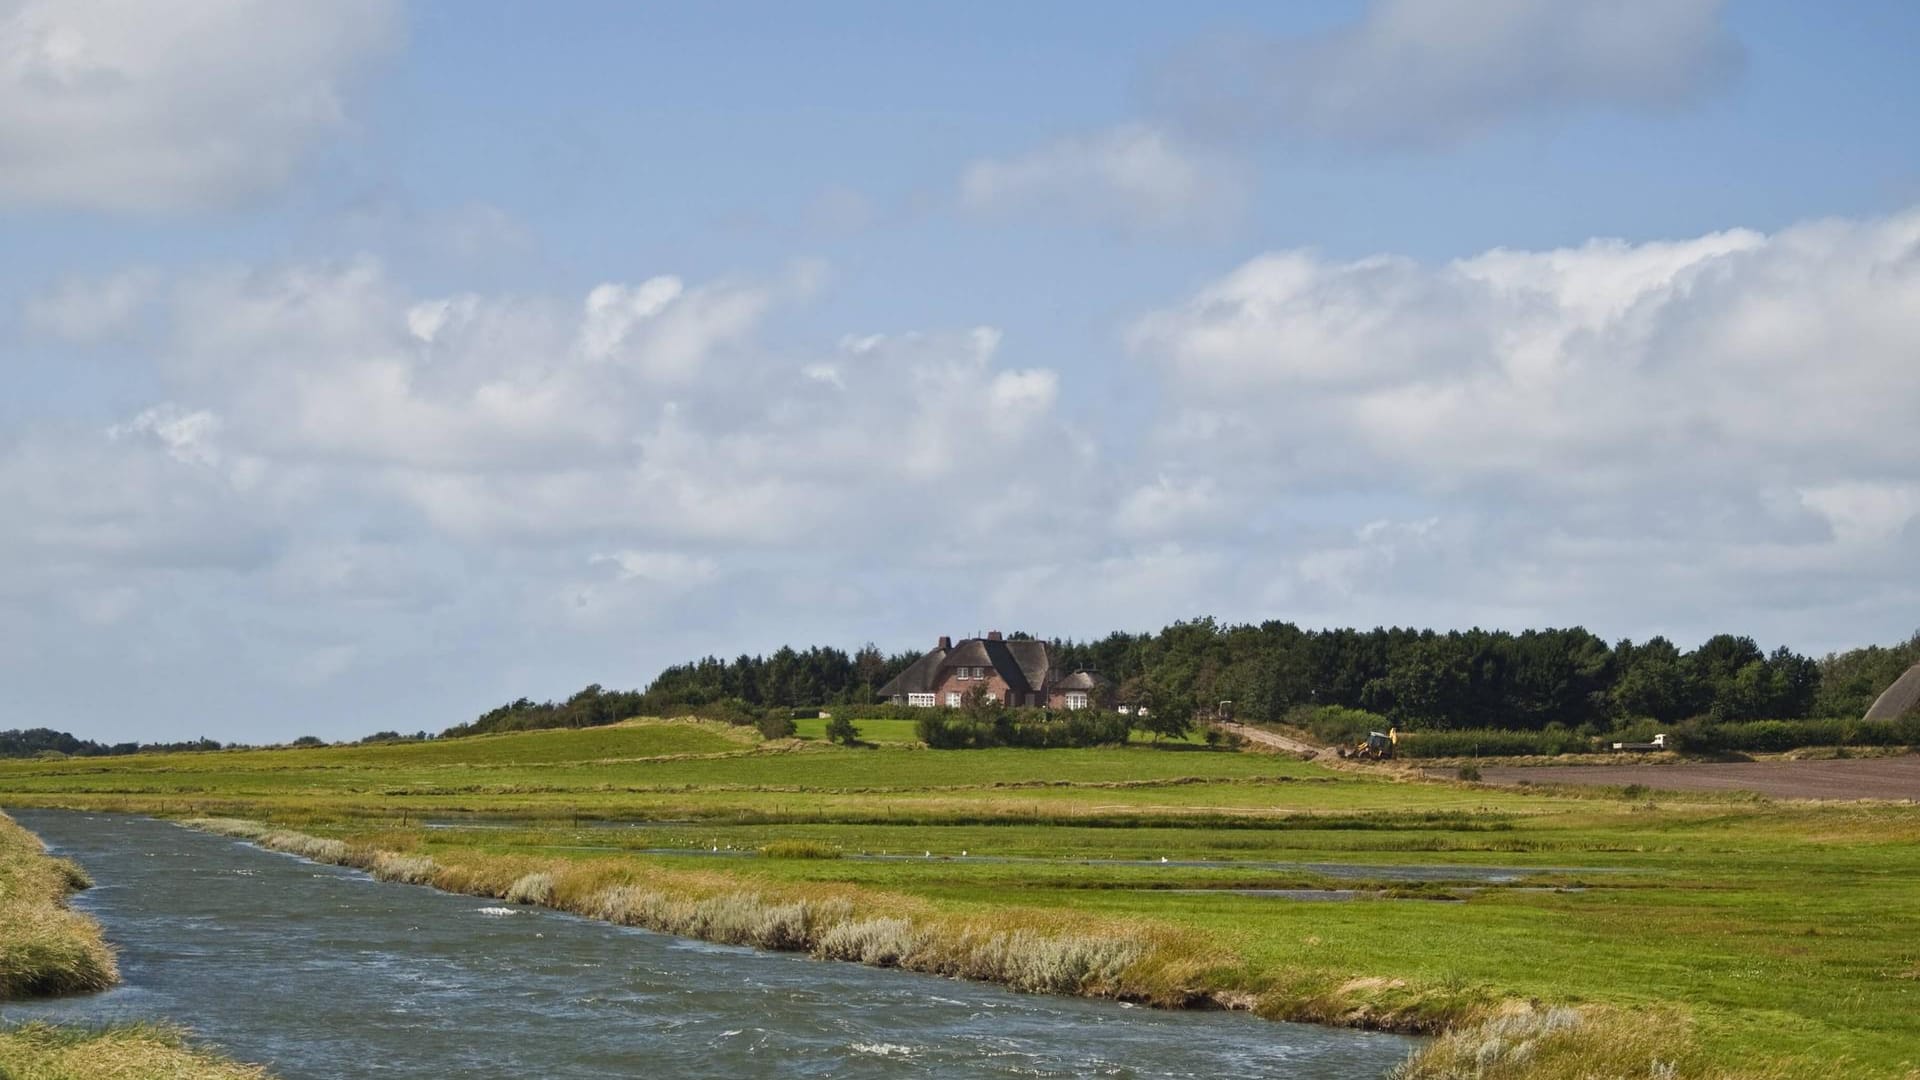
1269, 739
1866, 778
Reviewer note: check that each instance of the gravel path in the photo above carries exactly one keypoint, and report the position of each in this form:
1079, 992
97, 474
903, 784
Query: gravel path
1863, 778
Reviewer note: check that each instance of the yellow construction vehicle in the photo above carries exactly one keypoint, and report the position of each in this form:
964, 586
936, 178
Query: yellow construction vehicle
1377, 746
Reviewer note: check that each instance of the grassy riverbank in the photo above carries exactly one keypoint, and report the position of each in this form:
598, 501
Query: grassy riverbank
1721, 935
47, 949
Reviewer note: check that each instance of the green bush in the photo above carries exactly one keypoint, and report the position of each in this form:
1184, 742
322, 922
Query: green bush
841, 730
775, 726
1335, 725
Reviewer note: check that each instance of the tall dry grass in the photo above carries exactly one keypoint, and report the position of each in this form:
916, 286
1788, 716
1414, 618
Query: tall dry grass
133, 1052
45, 948
1562, 1043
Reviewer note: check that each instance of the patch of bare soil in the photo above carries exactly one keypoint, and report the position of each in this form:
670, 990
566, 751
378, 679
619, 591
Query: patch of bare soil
1874, 778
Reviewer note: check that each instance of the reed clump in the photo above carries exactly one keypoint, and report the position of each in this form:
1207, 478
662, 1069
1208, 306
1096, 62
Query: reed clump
881, 942
45, 948
125, 1052
536, 888
405, 869
1563, 1043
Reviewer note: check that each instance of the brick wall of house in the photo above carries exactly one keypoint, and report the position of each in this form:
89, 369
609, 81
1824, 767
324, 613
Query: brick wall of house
951, 683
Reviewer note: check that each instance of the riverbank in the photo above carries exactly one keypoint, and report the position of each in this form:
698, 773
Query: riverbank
48, 949
1482, 1036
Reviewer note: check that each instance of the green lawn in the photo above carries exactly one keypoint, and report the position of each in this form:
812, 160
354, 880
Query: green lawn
1781, 930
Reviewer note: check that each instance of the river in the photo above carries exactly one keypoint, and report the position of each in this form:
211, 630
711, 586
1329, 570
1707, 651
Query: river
321, 972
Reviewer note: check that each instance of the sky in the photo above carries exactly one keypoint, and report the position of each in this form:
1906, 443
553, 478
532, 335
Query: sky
369, 363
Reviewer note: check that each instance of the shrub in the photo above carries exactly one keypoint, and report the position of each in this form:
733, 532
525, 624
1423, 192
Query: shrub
1335, 725
1470, 773
775, 726
841, 730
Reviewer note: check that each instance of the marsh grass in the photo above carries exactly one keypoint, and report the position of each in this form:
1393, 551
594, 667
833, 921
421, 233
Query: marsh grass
45, 948
1560, 1042
536, 888
124, 1052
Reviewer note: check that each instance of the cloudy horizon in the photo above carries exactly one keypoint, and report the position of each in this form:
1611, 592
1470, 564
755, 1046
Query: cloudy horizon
372, 363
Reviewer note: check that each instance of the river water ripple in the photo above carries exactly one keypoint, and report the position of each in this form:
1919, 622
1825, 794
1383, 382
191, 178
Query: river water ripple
318, 971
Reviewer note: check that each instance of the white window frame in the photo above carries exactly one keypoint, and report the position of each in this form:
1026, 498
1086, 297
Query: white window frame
1076, 699
921, 701
963, 673
953, 699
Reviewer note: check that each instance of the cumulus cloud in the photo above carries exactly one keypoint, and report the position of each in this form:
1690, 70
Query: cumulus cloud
1433, 72
1134, 178
1727, 412
363, 473
123, 105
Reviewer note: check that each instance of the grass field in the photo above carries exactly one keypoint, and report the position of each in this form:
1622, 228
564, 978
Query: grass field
1723, 935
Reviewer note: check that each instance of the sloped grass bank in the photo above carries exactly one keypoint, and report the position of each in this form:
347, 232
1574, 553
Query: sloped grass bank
47, 949
1481, 1036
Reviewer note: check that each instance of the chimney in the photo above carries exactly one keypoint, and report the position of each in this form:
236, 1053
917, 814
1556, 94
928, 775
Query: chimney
946, 642
993, 635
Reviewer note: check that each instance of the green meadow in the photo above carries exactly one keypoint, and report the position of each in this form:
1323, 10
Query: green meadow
1720, 935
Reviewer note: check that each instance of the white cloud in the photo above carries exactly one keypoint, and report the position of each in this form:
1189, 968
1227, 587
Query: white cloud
1723, 416
187, 436
126, 105
1426, 72
1135, 178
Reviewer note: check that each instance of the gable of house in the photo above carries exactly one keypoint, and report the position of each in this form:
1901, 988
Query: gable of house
1019, 673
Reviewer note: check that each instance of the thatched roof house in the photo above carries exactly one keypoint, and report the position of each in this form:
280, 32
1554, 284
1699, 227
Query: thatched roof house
1899, 699
1015, 672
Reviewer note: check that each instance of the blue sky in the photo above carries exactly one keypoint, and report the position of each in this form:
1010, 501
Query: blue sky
373, 362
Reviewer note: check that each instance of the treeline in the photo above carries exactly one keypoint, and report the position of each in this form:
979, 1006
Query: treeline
46, 742
1420, 679
787, 678
745, 690
1538, 680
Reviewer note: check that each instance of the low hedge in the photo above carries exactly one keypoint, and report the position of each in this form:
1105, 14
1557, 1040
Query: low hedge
952, 729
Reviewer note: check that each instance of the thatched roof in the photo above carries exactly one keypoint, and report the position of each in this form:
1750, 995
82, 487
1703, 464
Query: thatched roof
1024, 665
1899, 699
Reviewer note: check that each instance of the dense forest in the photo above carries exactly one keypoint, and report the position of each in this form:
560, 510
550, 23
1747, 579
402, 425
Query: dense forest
1419, 679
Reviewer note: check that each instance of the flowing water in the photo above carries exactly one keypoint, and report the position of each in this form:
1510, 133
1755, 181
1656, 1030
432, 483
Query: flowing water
318, 971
